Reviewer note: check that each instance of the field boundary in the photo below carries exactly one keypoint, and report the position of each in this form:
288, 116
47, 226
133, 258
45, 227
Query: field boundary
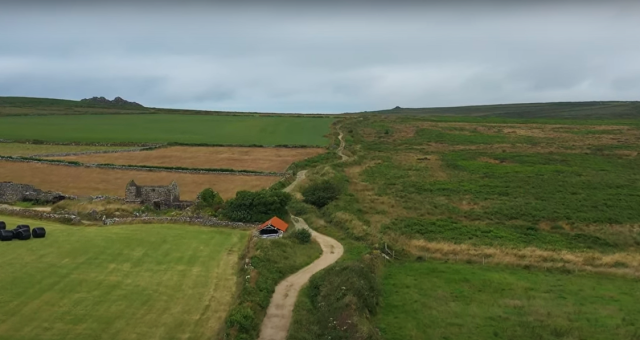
160, 145
82, 153
41, 215
203, 221
150, 168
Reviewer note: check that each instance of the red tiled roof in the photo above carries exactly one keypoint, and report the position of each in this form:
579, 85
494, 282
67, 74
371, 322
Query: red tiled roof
276, 223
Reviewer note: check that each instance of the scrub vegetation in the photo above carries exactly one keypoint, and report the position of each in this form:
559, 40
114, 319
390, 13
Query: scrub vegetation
494, 228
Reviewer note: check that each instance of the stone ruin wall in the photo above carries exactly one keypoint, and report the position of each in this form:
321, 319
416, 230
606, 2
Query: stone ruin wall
152, 194
16, 192
161, 197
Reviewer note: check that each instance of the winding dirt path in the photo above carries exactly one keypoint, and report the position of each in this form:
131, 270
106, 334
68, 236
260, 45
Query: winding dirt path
341, 147
301, 175
275, 325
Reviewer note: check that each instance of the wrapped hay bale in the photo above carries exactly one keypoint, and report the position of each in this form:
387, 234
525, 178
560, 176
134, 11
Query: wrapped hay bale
38, 232
23, 226
6, 235
22, 234
3, 226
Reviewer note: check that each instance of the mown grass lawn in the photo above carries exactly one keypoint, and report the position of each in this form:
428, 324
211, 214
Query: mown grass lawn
432, 300
157, 128
119, 282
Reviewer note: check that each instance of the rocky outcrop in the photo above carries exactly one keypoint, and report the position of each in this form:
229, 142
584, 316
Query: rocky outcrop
117, 101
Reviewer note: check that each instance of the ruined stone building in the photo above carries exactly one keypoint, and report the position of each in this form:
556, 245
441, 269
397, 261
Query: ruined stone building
148, 194
159, 196
15, 192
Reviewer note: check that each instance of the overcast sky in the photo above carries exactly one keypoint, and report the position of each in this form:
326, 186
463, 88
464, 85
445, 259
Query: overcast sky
312, 56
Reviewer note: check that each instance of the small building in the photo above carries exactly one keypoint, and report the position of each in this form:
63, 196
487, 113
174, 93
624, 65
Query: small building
274, 227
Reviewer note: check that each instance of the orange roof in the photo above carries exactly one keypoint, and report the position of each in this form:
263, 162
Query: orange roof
276, 223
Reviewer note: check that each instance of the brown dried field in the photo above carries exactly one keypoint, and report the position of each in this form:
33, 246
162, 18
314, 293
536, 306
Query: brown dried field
90, 181
241, 158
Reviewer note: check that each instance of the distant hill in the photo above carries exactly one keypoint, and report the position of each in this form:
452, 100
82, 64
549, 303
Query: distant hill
117, 102
101, 105
606, 109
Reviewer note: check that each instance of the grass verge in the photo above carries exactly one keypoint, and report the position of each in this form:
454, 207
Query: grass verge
268, 262
434, 300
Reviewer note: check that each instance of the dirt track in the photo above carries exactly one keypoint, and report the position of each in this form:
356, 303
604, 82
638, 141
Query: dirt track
275, 325
341, 147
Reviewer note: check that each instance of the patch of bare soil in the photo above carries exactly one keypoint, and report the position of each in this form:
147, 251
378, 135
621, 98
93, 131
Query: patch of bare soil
92, 181
626, 154
432, 163
466, 204
241, 158
493, 161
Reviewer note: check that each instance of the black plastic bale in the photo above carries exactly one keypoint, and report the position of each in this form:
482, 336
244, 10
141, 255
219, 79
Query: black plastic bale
6, 235
38, 232
3, 226
22, 234
23, 226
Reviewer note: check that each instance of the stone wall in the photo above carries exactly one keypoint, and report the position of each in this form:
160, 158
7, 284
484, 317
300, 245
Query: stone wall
65, 154
35, 214
132, 193
204, 221
15, 192
142, 168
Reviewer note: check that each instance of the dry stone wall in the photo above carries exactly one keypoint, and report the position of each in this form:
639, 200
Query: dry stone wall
204, 221
41, 215
65, 154
140, 168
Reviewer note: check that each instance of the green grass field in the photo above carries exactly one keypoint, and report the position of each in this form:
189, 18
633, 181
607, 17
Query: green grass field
22, 149
120, 282
432, 300
245, 130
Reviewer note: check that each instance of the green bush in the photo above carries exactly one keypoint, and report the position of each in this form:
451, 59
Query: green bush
256, 206
299, 208
302, 235
241, 317
321, 193
209, 200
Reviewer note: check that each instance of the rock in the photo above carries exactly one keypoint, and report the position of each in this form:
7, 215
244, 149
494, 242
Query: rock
117, 101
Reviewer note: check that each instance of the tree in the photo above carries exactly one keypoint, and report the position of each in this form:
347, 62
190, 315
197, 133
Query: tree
256, 206
321, 193
209, 200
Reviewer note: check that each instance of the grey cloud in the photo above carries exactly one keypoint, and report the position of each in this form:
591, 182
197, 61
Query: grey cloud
322, 58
